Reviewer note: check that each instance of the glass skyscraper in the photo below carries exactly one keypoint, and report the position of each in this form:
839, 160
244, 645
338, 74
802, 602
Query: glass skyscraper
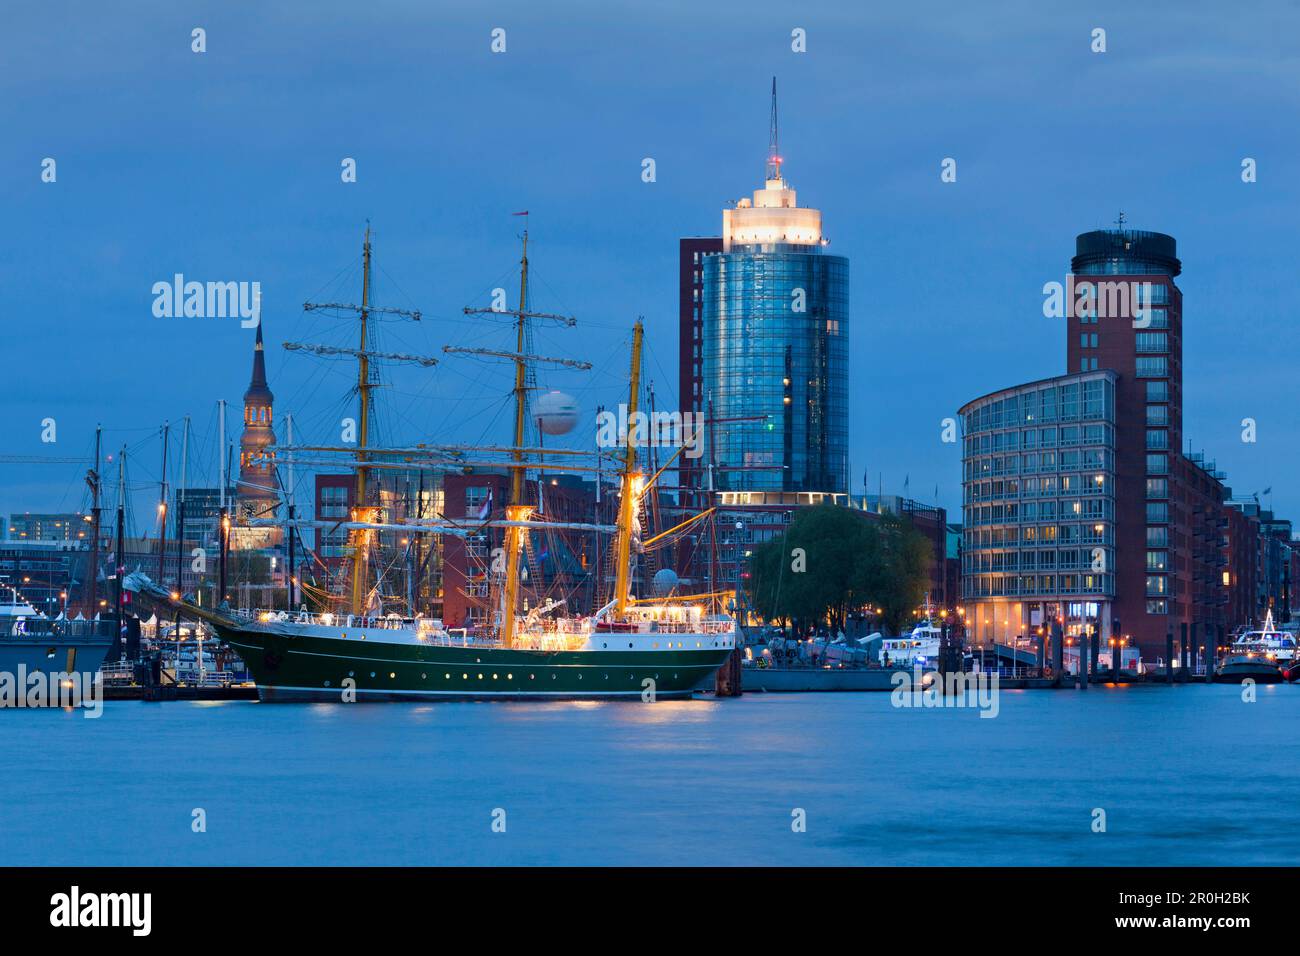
774, 346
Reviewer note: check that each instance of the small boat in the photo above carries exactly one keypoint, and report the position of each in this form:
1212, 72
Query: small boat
1239, 667
1259, 655
920, 646
1276, 644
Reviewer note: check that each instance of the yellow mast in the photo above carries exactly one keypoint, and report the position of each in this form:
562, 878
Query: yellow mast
516, 510
628, 497
360, 538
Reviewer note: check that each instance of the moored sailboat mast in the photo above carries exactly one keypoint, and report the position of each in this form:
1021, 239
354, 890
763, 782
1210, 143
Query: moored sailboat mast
630, 493
361, 536
361, 512
516, 510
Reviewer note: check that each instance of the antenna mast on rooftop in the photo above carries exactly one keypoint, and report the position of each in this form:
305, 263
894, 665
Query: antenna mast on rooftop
773, 149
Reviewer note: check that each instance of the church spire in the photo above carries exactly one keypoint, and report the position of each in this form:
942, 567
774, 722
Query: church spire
257, 490
259, 361
259, 392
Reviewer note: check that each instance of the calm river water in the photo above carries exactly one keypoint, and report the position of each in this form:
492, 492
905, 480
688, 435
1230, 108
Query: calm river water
1185, 775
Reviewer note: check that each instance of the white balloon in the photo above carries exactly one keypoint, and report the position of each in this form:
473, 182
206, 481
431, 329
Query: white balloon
556, 413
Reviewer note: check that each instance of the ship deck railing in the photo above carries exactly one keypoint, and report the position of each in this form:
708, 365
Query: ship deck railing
192, 678
569, 628
117, 672
392, 623
55, 629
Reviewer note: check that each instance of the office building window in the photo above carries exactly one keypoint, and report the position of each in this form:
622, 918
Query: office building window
1152, 366
475, 499
1153, 319
333, 502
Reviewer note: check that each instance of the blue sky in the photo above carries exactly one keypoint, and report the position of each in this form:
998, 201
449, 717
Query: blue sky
225, 166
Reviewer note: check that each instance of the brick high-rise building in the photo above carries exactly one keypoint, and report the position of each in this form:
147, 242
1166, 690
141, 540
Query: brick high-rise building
1161, 553
1117, 273
690, 340
1170, 521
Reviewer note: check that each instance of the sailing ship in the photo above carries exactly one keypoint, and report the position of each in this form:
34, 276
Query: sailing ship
628, 648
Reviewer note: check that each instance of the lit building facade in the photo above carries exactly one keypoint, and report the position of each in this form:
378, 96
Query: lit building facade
202, 521
74, 526
48, 574
1038, 500
773, 324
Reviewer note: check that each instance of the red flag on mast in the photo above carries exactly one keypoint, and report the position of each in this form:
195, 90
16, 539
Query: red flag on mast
524, 213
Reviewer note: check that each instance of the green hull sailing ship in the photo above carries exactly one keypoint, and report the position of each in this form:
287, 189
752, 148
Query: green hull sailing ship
629, 648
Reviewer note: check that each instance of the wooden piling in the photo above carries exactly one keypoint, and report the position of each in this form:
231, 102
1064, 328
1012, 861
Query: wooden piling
729, 680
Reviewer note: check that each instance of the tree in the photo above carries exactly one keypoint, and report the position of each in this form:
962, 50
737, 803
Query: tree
904, 572
833, 560
818, 570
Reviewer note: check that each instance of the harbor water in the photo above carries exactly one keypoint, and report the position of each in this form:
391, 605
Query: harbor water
1184, 775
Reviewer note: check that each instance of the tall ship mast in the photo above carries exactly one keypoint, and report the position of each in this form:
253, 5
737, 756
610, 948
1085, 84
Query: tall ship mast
629, 647
363, 514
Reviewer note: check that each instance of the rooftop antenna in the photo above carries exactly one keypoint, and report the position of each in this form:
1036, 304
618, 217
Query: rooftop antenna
1119, 221
773, 151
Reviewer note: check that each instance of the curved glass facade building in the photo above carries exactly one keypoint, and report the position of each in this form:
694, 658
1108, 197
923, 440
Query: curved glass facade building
1038, 489
774, 348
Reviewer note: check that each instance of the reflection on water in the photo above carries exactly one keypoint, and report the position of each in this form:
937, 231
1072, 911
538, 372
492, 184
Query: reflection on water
1185, 775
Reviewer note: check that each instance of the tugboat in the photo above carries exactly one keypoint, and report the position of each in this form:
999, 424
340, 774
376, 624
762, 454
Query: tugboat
629, 648
1259, 655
